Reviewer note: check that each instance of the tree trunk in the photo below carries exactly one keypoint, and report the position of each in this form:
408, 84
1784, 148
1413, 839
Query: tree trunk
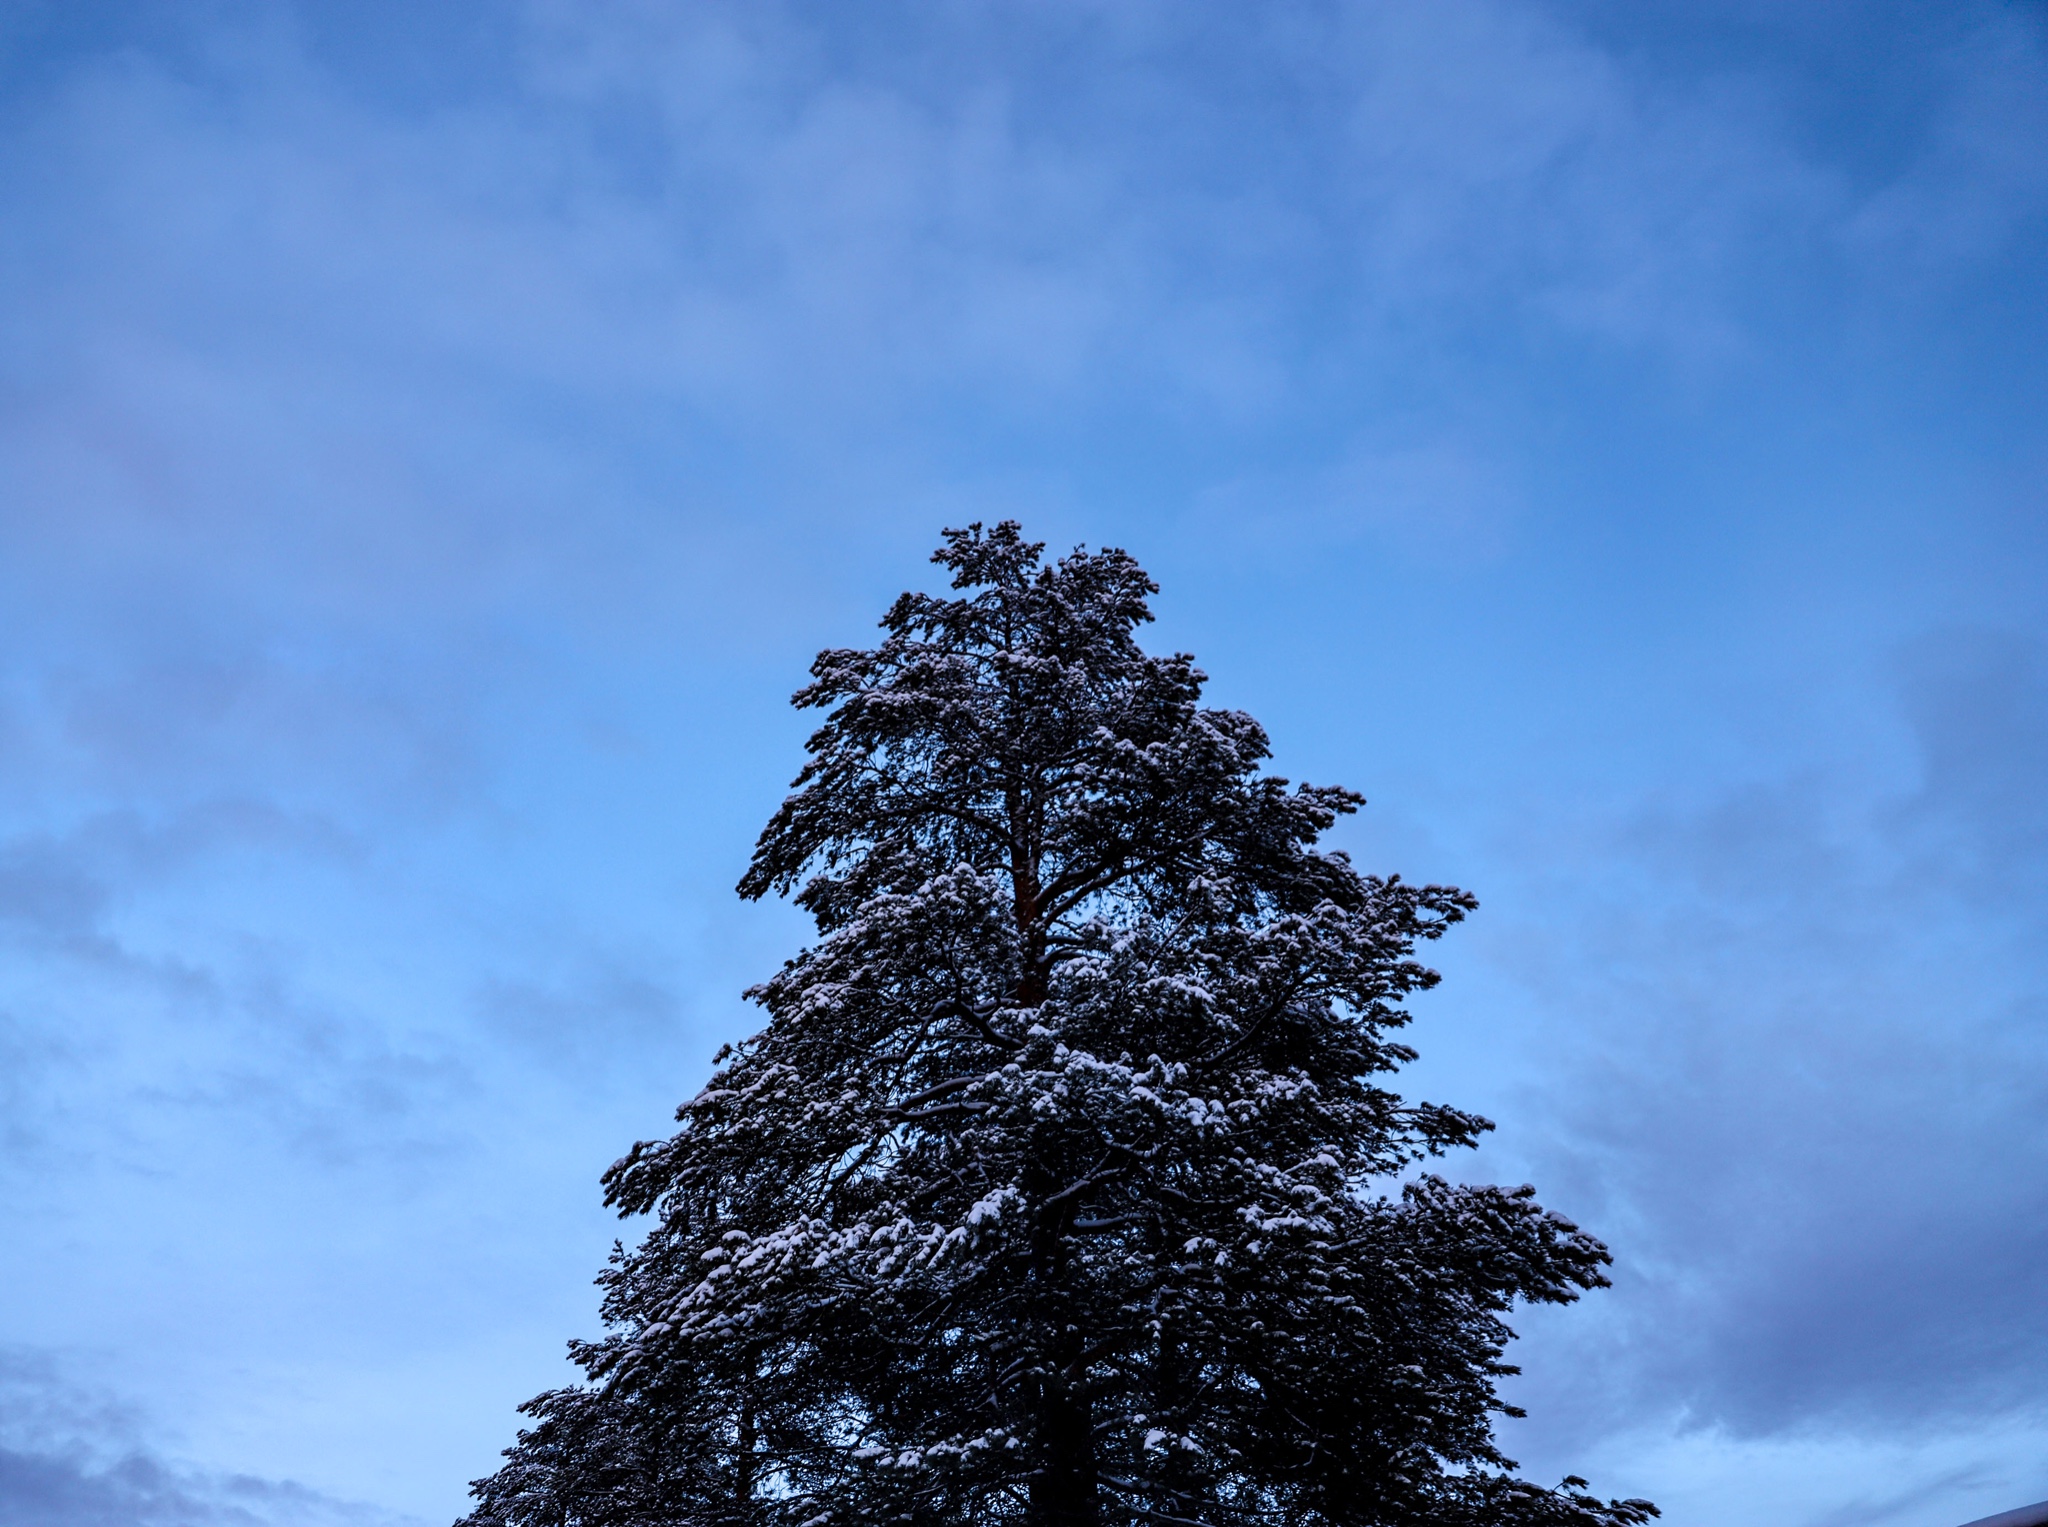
1064, 1493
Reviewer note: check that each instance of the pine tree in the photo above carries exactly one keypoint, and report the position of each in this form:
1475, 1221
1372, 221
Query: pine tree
1059, 1187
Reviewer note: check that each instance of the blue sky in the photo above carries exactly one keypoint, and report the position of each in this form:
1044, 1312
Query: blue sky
434, 439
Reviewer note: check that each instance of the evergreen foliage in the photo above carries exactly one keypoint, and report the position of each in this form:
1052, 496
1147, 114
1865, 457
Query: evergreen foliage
1047, 1194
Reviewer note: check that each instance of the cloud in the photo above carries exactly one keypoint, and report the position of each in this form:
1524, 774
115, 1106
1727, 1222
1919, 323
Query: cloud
62, 887
1977, 701
73, 1458
139, 1491
1978, 176
126, 1005
611, 1013
1437, 501
766, 220
1806, 1049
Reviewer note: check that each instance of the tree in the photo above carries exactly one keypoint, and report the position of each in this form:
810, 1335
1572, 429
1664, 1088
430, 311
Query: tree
1060, 1186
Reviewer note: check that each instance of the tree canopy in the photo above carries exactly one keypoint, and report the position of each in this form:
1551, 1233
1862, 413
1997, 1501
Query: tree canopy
1061, 1185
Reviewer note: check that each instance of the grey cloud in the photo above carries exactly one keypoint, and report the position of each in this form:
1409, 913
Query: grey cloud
62, 885
704, 237
44, 1491
1809, 1078
610, 1014
1978, 704
71, 1457
734, 208
42, 888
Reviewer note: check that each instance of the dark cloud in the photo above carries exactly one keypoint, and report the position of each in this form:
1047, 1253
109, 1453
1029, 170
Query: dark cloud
1811, 1031
70, 1457
46, 1491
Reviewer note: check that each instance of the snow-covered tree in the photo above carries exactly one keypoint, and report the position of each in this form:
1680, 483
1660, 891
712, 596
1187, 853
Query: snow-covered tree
1060, 1187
